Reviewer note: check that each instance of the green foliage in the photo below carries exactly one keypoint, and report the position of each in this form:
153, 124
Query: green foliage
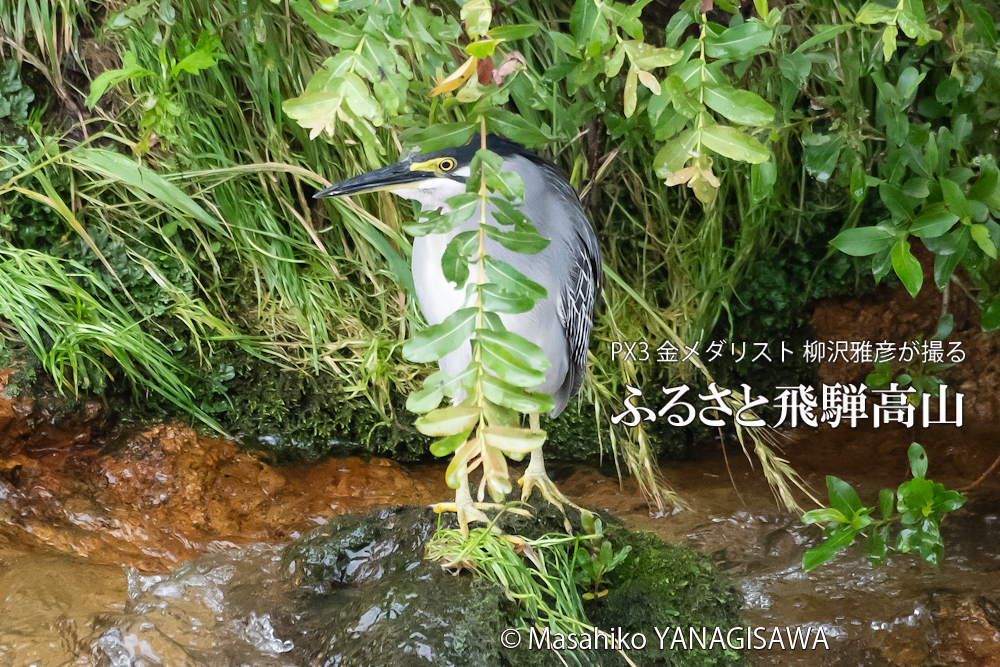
163, 111
596, 559
937, 181
604, 577
920, 506
14, 96
921, 375
72, 332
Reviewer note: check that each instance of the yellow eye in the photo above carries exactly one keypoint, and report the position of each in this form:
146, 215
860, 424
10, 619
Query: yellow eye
446, 164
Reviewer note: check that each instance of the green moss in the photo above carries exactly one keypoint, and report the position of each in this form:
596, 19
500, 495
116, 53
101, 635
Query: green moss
295, 415
661, 585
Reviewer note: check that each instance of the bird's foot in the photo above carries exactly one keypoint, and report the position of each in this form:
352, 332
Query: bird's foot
466, 510
536, 477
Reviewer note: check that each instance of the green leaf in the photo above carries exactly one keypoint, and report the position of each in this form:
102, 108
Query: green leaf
506, 183
934, 220
647, 57
985, 25
332, 30
889, 41
508, 214
499, 300
985, 187
907, 267
463, 207
482, 48
613, 63
913, 22
843, 497
882, 263
824, 515
676, 26
827, 550
886, 500
512, 32
734, 144
859, 181
477, 15
444, 135
949, 254
130, 69
436, 341
955, 198
631, 95
203, 56
899, 204
590, 29
991, 315
509, 278
739, 106
918, 460
525, 353
948, 90
564, 43
861, 241
823, 35
515, 128
426, 399
359, 97
981, 235
796, 68
872, 13
457, 256
877, 544
677, 91
946, 324
447, 445
822, 152
523, 239
512, 440
515, 398
917, 187
508, 368
738, 43
947, 501
315, 111
451, 420
762, 179
463, 454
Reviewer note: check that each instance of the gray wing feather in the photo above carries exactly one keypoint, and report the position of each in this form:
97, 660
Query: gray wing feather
579, 295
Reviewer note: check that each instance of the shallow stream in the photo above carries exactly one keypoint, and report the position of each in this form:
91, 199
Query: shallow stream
88, 541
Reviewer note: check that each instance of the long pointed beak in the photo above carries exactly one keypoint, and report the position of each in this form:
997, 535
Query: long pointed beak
394, 176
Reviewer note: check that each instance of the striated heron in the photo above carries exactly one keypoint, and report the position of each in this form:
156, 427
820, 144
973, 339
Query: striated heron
569, 269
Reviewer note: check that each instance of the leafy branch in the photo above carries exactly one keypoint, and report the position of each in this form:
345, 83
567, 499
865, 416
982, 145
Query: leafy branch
918, 505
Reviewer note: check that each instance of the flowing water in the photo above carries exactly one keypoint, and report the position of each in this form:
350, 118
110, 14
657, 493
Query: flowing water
166, 550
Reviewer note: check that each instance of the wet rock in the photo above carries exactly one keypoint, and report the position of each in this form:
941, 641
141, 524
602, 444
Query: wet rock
359, 592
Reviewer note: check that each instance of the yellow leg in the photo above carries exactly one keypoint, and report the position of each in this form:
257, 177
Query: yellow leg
466, 510
535, 476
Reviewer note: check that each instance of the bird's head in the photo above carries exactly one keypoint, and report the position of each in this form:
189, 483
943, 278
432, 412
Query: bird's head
429, 178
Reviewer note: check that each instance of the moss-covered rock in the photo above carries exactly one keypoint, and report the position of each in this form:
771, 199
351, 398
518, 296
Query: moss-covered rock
372, 568
661, 585
296, 415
